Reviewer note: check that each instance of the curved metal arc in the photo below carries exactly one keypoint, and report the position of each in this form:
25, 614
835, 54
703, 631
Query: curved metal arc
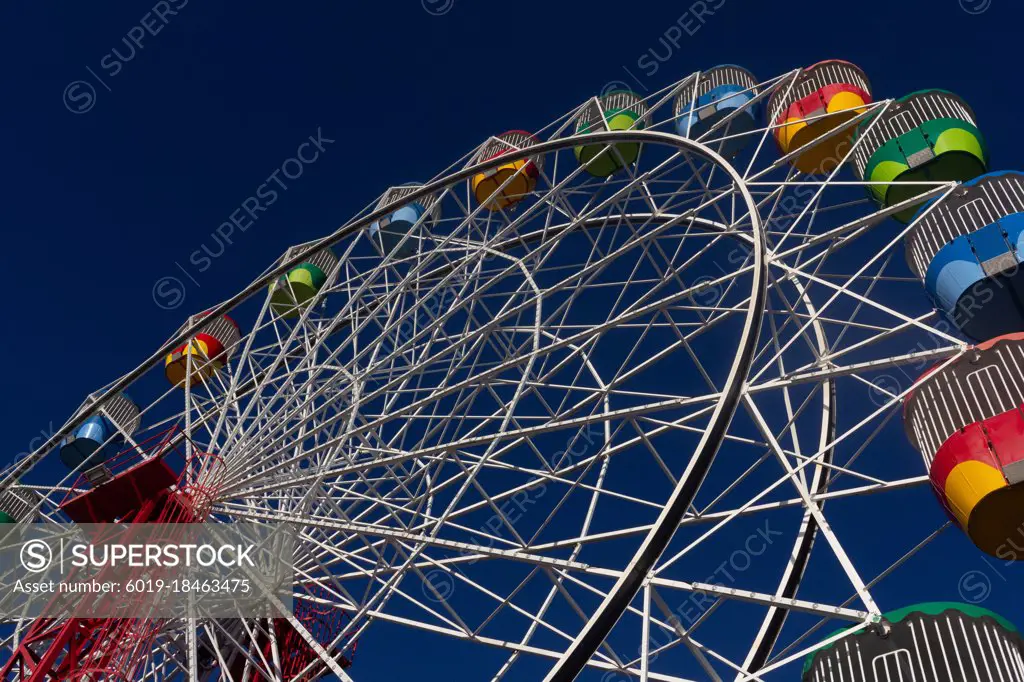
609, 137
626, 588
771, 627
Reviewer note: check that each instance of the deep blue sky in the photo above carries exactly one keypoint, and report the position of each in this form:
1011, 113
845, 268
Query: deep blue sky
99, 206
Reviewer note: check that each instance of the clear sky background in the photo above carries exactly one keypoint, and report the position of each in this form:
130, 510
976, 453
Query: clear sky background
111, 183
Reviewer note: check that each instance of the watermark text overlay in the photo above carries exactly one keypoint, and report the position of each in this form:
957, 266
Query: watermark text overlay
146, 570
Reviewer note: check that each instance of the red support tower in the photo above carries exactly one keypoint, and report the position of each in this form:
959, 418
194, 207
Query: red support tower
140, 486
136, 486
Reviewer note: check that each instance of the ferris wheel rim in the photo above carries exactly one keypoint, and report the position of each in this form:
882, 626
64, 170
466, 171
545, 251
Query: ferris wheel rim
187, 331
601, 622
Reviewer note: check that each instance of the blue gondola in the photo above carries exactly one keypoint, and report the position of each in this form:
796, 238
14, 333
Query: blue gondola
715, 95
98, 438
968, 252
389, 231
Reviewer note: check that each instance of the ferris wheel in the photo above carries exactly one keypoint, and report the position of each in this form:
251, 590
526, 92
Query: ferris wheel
610, 400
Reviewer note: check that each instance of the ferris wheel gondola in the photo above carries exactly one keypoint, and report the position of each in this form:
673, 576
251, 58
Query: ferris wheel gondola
616, 110
927, 135
820, 99
966, 251
724, 94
